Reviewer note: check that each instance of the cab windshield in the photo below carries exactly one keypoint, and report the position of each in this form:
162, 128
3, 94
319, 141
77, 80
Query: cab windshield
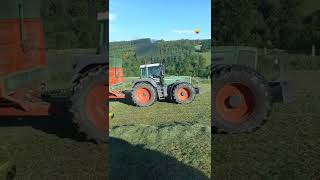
154, 71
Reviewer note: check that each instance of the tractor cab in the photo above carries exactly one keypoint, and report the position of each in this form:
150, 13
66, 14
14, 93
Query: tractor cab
154, 71
153, 85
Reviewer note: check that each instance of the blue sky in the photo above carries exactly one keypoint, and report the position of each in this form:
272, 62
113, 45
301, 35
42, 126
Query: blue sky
159, 19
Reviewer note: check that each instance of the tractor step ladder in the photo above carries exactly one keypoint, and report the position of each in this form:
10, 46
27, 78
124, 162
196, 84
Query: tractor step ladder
160, 93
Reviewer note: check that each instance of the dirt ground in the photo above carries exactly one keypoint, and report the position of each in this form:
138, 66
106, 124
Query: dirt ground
48, 149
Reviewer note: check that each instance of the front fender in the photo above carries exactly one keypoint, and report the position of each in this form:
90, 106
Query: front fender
150, 81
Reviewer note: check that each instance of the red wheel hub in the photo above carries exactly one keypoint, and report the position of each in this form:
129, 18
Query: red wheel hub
143, 95
235, 102
183, 94
96, 106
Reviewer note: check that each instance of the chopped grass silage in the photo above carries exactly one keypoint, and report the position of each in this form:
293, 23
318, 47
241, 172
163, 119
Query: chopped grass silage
188, 143
7, 167
179, 131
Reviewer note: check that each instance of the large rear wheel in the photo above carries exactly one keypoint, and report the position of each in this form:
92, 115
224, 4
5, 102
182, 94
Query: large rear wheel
143, 94
184, 93
240, 100
89, 105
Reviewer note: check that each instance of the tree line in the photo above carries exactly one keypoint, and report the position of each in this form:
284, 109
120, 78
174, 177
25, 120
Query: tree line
71, 23
279, 24
179, 57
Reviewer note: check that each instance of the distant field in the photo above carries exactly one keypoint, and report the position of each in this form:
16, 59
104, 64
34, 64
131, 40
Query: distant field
178, 132
309, 6
288, 62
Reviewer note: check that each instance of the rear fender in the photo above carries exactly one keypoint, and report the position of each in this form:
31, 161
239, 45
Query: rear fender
153, 83
171, 88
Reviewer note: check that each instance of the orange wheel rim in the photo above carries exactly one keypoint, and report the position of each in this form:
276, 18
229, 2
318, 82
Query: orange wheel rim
96, 106
183, 94
235, 112
143, 95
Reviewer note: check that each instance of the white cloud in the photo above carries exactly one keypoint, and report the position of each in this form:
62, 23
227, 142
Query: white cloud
112, 23
183, 31
112, 28
112, 16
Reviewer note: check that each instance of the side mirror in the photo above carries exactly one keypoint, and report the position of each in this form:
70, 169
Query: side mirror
162, 71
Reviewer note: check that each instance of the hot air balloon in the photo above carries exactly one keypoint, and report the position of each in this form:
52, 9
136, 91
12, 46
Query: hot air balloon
198, 43
197, 31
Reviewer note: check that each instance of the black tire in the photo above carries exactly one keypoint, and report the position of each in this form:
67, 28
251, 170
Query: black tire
258, 87
135, 97
191, 96
81, 118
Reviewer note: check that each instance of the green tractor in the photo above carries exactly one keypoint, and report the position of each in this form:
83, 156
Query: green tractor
154, 85
242, 98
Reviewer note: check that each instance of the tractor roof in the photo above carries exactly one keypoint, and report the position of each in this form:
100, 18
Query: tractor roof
150, 65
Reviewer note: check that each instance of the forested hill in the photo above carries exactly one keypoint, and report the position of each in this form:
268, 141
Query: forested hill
72, 23
180, 57
283, 24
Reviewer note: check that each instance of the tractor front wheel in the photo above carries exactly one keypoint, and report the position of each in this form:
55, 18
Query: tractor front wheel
143, 94
89, 105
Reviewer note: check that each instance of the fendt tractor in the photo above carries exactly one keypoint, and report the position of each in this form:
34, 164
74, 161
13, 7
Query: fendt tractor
24, 73
242, 98
152, 85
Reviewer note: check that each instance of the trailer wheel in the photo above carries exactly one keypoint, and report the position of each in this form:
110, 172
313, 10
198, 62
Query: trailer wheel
89, 105
184, 93
241, 101
143, 94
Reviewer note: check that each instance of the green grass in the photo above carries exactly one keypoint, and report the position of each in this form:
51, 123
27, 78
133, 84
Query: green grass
5, 162
181, 132
48, 148
288, 63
